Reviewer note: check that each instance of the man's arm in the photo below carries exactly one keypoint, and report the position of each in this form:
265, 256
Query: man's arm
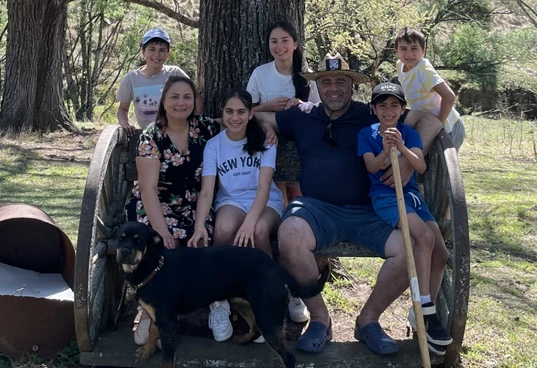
426, 124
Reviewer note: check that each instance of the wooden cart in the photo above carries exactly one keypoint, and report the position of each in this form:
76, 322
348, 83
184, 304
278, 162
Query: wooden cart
100, 290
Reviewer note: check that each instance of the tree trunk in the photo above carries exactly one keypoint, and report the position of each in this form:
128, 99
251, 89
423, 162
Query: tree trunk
33, 98
232, 42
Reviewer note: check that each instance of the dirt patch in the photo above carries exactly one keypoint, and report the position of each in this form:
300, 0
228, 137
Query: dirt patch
58, 146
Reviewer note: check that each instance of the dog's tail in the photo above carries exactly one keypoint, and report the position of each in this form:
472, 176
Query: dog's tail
300, 291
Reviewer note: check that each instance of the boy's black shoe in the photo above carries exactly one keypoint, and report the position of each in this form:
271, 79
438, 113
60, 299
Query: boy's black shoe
436, 333
436, 349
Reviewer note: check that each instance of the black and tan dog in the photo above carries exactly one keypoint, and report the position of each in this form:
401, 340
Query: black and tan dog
171, 282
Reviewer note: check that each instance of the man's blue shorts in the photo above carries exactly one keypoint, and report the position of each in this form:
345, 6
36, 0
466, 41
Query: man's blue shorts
331, 224
385, 206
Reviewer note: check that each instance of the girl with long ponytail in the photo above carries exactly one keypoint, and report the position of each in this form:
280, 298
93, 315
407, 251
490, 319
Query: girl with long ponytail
276, 86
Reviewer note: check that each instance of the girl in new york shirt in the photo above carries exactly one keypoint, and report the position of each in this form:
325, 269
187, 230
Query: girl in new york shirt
248, 204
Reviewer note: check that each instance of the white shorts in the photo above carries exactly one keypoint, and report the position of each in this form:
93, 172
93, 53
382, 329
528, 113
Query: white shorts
247, 205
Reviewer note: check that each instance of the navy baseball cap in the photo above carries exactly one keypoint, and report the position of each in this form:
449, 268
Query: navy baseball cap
155, 33
390, 89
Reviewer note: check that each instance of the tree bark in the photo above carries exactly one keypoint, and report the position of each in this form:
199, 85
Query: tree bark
33, 97
232, 42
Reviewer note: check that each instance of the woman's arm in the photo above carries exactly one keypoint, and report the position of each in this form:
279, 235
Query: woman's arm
205, 200
148, 175
245, 233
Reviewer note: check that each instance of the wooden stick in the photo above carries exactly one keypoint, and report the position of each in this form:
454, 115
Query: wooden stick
411, 266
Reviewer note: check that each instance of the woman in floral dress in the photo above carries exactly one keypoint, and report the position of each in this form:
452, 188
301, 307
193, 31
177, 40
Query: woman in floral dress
169, 163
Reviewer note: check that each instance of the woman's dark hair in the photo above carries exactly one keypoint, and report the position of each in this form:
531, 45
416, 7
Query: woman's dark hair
161, 113
302, 87
255, 135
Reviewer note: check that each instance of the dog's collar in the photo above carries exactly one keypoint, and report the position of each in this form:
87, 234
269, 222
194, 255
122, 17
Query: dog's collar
152, 274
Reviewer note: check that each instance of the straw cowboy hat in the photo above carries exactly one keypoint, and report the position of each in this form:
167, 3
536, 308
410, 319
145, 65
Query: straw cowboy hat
336, 65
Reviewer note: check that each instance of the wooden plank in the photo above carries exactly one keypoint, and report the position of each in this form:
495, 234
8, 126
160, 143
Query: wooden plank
117, 349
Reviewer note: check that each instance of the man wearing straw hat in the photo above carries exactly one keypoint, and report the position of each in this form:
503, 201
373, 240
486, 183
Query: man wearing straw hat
335, 205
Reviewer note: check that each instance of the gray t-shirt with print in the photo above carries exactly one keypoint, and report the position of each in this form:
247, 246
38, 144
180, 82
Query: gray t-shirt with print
145, 92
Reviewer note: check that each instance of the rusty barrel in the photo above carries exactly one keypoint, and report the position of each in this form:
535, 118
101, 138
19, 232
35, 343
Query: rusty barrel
37, 262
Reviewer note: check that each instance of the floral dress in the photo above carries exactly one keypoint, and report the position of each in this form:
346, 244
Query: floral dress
180, 177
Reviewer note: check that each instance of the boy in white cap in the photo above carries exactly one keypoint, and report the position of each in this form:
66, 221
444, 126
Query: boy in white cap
143, 85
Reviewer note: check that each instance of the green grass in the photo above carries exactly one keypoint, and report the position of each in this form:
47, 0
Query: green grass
499, 165
49, 172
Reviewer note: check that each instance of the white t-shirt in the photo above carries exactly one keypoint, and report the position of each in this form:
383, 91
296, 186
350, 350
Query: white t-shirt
238, 172
145, 92
267, 83
418, 85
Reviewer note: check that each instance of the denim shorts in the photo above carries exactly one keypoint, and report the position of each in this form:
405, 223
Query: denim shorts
331, 224
385, 206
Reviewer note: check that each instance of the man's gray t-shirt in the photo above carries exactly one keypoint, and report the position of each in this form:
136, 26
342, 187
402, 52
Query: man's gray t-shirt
238, 172
145, 92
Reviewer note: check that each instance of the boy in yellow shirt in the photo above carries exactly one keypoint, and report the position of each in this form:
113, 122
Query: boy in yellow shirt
424, 88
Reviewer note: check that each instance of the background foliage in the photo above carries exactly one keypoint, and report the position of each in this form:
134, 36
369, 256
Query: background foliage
489, 43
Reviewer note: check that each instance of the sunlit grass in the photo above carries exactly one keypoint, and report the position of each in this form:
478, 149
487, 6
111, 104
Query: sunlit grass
499, 167
43, 178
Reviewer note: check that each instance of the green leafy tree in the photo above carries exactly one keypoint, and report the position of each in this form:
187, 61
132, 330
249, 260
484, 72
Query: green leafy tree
98, 49
362, 31
456, 12
526, 8
474, 49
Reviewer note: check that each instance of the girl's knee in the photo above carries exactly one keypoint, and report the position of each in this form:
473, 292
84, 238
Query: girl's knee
262, 230
223, 234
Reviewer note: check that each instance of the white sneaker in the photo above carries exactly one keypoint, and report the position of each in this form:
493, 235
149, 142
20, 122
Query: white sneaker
219, 320
141, 334
259, 340
297, 310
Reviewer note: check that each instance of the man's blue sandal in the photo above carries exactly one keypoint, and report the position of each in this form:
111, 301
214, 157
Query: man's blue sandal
375, 338
315, 337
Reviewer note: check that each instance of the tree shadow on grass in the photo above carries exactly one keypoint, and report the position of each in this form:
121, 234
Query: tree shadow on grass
510, 293
512, 250
49, 191
24, 156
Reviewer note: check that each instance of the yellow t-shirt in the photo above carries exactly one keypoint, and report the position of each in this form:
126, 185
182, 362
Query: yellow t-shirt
418, 85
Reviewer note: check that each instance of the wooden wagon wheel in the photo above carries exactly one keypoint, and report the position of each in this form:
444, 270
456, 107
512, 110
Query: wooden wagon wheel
447, 203
102, 205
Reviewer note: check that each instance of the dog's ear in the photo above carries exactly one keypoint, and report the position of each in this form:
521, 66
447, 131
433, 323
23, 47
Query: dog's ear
157, 239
